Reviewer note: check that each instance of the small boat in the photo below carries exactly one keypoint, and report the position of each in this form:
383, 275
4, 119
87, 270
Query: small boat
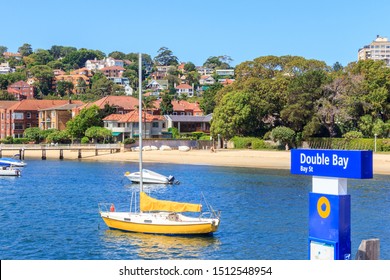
150, 215
150, 177
9, 171
5, 161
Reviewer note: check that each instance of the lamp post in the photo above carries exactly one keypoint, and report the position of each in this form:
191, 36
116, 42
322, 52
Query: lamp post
375, 135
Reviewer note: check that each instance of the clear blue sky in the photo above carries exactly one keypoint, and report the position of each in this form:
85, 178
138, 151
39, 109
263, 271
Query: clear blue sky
331, 30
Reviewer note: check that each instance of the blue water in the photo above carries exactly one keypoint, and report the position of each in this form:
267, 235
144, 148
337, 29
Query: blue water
51, 213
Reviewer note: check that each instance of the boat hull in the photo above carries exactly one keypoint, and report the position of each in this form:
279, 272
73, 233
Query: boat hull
149, 177
158, 224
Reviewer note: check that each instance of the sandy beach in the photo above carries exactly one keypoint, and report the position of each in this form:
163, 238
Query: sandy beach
223, 157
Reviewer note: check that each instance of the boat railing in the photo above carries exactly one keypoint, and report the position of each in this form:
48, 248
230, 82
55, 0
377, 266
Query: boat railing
104, 207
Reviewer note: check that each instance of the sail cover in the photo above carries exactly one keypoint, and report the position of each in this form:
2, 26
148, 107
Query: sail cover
148, 203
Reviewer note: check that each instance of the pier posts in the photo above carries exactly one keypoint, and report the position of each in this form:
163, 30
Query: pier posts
368, 250
61, 154
43, 154
96, 152
79, 156
1, 153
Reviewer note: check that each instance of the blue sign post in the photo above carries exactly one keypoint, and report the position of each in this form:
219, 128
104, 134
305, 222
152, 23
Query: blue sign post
329, 203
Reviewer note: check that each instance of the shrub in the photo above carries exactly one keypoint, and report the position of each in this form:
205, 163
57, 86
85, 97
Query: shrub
353, 135
129, 141
85, 140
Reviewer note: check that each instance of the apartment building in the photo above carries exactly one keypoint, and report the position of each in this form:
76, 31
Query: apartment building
379, 49
16, 117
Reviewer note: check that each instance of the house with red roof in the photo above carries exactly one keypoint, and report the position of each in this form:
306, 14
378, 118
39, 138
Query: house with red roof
121, 103
185, 89
127, 125
21, 90
113, 71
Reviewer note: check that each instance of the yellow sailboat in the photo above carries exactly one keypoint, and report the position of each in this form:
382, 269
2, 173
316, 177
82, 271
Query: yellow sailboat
159, 216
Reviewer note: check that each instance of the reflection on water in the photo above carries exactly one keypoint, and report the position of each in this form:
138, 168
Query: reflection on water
153, 246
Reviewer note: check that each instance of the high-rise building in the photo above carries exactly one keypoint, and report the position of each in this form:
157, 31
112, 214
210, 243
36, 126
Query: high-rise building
379, 49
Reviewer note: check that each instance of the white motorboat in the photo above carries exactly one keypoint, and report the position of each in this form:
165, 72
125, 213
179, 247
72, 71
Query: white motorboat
149, 177
5, 161
9, 171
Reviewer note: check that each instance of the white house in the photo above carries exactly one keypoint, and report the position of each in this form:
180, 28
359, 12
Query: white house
185, 89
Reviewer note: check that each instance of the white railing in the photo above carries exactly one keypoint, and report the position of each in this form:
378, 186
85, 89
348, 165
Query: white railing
60, 146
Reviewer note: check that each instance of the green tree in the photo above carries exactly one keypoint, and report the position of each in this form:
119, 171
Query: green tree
77, 59
4, 95
166, 106
283, 134
87, 118
165, 57
45, 75
218, 62
117, 55
302, 93
61, 51
208, 101
25, 49
41, 57
189, 66
33, 133
64, 88
58, 137
233, 115
101, 86
98, 133
3, 49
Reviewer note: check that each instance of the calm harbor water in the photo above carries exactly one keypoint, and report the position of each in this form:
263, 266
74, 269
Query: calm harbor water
51, 213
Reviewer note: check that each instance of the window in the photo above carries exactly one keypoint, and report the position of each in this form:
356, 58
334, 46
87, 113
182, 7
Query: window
28, 115
155, 124
18, 126
53, 114
28, 125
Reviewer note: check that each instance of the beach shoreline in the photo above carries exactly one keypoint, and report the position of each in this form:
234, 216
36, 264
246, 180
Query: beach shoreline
222, 157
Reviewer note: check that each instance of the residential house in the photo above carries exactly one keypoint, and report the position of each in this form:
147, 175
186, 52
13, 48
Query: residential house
5, 68
56, 117
122, 104
112, 71
181, 108
184, 89
127, 125
21, 90
24, 114
82, 71
225, 72
204, 71
157, 86
226, 82
185, 123
161, 73
206, 80
180, 67
93, 65
17, 56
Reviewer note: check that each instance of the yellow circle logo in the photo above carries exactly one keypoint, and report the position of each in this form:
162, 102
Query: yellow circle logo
323, 207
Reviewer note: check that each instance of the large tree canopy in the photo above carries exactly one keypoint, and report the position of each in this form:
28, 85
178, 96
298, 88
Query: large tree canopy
165, 57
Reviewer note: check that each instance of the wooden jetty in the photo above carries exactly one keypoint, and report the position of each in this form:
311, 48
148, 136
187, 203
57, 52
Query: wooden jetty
79, 148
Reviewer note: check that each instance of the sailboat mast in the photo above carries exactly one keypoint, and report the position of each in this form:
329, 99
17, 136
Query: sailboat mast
140, 119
